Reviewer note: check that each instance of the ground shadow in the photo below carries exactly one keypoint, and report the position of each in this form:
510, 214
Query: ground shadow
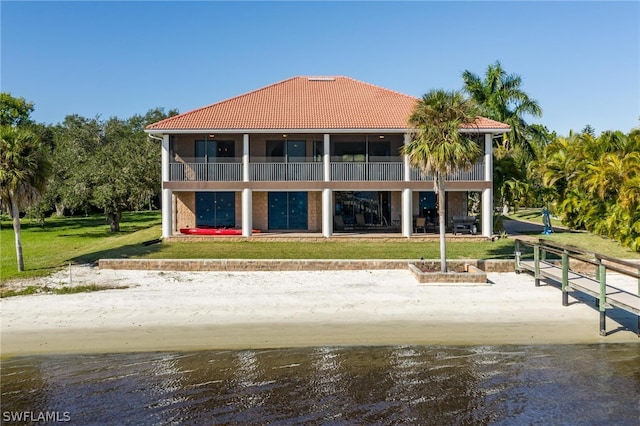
131, 222
626, 321
122, 252
518, 227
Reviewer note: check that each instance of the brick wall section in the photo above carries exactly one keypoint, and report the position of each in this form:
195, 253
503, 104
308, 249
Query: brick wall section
186, 210
238, 208
314, 211
471, 275
260, 210
200, 265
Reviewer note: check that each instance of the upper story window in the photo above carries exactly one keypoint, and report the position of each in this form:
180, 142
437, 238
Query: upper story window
287, 151
208, 151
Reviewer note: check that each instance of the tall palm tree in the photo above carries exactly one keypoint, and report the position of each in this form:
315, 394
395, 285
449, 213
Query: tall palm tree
500, 97
23, 175
438, 148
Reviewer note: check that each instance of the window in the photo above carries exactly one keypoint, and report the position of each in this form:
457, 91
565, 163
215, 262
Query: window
287, 151
209, 151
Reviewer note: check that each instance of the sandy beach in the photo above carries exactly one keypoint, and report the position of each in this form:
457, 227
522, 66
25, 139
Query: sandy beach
161, 311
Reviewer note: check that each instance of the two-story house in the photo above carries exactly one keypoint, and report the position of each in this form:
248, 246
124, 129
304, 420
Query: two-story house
309, 154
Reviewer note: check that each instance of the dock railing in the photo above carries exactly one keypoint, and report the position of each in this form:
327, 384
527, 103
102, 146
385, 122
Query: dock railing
552, 260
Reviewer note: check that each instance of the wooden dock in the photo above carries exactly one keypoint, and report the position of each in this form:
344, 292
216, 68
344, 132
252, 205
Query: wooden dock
607, 296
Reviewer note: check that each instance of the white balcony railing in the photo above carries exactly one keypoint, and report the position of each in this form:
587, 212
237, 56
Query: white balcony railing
309, 171
475, 174
392, 171
205, 172
262, 172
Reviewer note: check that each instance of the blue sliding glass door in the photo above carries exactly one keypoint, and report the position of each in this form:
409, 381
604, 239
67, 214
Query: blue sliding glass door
288, 210
216, 209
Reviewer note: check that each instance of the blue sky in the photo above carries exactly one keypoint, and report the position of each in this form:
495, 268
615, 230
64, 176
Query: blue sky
579, 60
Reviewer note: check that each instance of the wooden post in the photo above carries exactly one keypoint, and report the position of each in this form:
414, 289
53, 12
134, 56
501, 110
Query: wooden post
536, 263
602, 273
599, 263
565, 278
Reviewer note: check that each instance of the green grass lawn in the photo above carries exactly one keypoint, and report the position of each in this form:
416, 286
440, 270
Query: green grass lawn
77, 240
86, 239
333, 249
582, 239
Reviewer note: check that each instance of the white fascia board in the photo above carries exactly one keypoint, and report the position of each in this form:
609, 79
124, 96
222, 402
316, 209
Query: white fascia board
293, 131
492, 131
262, 131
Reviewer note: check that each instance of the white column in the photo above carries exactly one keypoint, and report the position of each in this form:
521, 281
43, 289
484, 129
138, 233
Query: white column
247, 194
167, 228
326, 158
327, 213
488, 157
247, 212
167, 219
407, 198
407, 165
327, 194
245, 157
407, 212
487, 194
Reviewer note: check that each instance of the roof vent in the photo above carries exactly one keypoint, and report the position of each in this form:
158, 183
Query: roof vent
321, 79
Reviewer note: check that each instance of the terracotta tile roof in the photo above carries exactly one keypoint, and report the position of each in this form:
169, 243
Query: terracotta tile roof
487, 123
305, 103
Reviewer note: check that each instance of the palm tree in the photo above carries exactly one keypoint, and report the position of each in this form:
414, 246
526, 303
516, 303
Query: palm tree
438, 148
501, 98
596, 183
23, 175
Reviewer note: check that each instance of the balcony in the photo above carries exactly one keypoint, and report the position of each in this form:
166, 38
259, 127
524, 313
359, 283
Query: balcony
475, 174
230, 171
263, 170
379, 171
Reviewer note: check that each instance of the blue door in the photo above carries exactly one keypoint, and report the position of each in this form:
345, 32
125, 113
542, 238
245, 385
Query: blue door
428, 206
216, 209
288, 210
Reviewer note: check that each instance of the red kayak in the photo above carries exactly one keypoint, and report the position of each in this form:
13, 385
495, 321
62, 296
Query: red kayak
214, 231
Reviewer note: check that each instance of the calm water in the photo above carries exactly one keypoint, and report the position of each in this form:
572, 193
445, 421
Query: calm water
577, 384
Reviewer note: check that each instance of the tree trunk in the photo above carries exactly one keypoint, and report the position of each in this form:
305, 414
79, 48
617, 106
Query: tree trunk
15, 212
114, 220
442, 220
59, 209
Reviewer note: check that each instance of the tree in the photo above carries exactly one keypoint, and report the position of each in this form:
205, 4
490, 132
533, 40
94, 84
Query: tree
595, 183
500, 97
75, 142
438, 148
14, 111
125, 170
111, 165
23, 175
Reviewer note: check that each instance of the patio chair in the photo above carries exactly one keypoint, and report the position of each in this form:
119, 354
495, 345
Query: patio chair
360, 221
338, 223
421, 222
